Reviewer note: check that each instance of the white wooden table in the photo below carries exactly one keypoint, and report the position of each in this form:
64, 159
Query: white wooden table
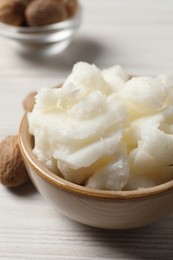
136, 34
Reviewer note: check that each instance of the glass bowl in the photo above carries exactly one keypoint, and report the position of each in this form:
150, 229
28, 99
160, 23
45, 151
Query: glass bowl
48, 39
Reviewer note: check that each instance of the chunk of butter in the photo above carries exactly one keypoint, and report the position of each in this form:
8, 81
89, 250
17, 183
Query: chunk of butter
104, 130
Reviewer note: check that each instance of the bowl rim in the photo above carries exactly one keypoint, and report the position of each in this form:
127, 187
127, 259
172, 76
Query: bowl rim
72, 21
41, 170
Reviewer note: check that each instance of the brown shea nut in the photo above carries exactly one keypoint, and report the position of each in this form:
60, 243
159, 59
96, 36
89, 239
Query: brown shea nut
29, 101
12, 169
72, 6
25, 2
12, 12
40, 13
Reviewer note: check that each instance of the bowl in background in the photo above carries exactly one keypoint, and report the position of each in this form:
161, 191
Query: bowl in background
98, 208
48, 39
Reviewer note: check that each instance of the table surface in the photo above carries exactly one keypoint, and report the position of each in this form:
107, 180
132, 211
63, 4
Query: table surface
137, 35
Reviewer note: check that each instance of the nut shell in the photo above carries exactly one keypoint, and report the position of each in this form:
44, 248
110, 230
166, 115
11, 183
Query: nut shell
29, 101
12, 12
40, 13
25, 2
72, 6
12, 169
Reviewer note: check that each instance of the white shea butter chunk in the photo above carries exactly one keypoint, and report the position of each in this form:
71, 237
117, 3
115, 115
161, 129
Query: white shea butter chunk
168, 83
79, 128
144, 96
104, 130
116, 77
151, 160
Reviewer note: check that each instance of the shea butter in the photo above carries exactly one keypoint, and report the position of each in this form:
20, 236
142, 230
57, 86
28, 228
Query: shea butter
103, 130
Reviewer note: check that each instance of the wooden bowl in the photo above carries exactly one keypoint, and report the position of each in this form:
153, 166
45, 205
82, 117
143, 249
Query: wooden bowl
98, 208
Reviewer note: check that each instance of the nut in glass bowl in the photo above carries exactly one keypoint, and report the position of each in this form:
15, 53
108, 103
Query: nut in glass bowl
48, 39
